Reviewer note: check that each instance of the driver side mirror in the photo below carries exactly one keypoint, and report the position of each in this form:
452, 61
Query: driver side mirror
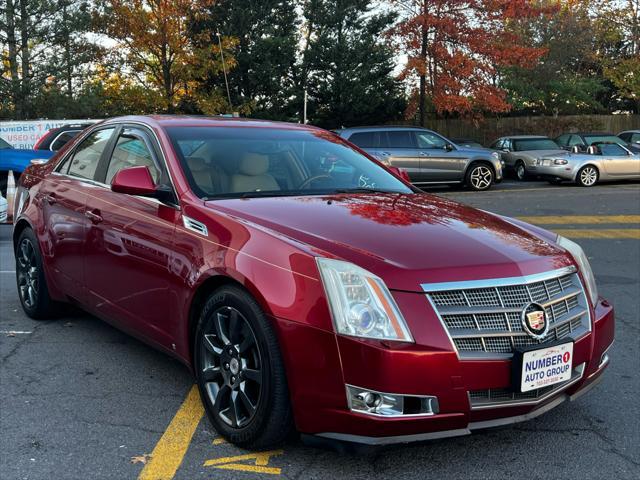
134, 181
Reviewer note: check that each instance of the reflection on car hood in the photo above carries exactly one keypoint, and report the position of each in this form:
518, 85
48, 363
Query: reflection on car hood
406, 239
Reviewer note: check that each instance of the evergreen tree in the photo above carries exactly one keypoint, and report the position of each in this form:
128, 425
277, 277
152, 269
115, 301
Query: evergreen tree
347, 65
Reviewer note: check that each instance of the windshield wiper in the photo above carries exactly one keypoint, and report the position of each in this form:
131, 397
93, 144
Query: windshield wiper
363, 190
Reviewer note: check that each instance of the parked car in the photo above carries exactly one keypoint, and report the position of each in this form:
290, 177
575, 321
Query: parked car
16, 161
521, 152
427, 157
579, 142
56, 138
601, 163
3, 209
631, 137
306, 284
467, 143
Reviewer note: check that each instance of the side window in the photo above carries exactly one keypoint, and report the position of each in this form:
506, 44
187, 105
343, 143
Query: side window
635, 138
364, 139
563, 140
131, 150
497, 145
575, 140
401, 139
84, 160
62, 139
430, 140
626, 136
612, 150
507, 144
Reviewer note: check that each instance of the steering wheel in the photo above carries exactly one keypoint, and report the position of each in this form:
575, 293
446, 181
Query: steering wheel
306, 182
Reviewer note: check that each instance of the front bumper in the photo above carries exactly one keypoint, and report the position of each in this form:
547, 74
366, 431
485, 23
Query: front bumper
319, 399
565, 172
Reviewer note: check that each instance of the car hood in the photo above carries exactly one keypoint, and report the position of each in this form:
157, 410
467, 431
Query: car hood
406, 239
474, 150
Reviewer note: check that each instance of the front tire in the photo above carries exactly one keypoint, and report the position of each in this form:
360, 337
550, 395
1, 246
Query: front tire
521, 171
479, 177
240, 372
32, 284
588, 176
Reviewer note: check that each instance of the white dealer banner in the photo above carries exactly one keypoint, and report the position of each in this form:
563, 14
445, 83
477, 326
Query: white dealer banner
25, 134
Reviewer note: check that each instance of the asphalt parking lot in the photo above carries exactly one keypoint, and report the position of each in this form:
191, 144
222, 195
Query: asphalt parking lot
81, 400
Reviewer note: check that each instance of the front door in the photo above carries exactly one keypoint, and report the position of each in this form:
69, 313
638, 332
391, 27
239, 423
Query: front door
129, 244
437, 162
63, 195
617, 161
400, 150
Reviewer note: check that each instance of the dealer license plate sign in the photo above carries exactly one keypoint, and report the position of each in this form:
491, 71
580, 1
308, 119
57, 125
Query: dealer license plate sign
546, 366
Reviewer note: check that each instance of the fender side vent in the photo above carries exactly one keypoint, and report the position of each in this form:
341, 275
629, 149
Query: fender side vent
194, 226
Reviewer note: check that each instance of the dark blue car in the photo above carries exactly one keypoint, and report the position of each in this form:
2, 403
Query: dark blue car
17, 160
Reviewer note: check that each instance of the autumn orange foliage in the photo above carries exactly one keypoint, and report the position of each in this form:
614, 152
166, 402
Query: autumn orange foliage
456, 48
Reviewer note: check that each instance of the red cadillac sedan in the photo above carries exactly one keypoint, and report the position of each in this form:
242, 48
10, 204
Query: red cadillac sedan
306, 285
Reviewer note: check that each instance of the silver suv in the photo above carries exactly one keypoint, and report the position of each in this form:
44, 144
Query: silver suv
427, 157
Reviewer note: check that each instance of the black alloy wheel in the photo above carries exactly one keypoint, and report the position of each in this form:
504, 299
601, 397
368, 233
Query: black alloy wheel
30, 279
240, 372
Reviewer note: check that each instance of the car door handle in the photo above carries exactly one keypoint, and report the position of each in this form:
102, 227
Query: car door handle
50, 198
94, 217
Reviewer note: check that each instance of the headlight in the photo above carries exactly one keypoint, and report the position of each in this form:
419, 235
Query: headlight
360, 302
581, 259
560, 161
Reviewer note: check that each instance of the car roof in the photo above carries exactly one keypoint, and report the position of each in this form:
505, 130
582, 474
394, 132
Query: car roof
165, 121
386, 127
592, 133
629, 131
524, 137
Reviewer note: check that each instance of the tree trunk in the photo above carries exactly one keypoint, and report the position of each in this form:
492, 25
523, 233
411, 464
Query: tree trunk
13, 58
26, 59
423, 58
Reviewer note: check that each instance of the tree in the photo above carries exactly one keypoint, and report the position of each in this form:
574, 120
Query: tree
265, 34
456, 47
23, 29
154, 37
347, 64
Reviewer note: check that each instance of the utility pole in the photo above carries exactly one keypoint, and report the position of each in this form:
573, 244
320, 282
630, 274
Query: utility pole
304, 115
224, 70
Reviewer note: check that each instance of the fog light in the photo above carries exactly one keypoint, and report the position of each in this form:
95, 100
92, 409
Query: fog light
390, 404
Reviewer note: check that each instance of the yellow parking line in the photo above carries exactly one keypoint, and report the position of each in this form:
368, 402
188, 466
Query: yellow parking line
172, 446
581, 219
633, 233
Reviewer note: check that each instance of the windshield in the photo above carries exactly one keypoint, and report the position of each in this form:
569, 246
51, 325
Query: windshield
4, 145
534, 144
231, 162
591, 139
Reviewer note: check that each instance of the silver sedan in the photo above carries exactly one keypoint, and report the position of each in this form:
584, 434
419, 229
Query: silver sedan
604, 162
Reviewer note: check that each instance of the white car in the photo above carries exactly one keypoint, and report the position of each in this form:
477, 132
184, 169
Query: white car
3, 209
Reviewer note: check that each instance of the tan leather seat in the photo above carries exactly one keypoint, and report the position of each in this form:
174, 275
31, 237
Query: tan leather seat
200, 173
253, 176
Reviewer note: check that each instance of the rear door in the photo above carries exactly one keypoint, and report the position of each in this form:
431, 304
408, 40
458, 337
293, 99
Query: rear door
436, 162
130, 242
63, 195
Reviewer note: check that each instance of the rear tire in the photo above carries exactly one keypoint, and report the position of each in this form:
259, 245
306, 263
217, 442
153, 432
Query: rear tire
240, 372
479, 177
32, 284
588, 176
